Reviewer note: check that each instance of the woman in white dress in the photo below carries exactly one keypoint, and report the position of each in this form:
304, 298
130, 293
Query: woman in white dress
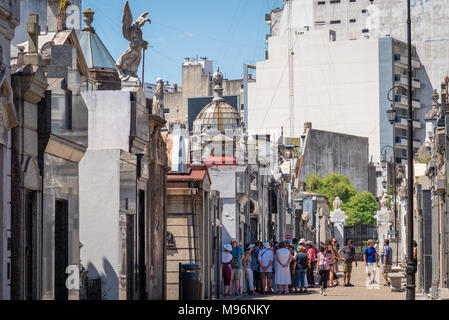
282, 276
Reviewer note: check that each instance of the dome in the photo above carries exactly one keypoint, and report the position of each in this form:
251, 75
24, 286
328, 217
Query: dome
217, 115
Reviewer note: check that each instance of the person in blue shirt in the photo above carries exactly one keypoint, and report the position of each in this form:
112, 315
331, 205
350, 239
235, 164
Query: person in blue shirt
370, 259
236, 265
387, 261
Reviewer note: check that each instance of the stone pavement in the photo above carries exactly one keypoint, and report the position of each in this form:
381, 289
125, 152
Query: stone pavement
361, 290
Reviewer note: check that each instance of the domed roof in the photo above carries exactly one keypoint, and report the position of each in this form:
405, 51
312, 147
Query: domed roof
217, 115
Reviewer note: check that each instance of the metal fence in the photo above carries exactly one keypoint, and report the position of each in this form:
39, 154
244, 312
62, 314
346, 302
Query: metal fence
360, 234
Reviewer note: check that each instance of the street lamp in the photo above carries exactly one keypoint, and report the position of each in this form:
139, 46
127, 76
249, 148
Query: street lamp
391, 114
411, 263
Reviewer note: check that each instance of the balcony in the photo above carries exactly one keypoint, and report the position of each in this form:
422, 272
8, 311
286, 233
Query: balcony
402, 101
403, 61
401, 142
417, 143
402, 80
402, 123
416, 83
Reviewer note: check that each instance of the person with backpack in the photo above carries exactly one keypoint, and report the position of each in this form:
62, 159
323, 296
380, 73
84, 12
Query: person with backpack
226, 258
258, 245
323, 268
301, 266
236, 265
266, 257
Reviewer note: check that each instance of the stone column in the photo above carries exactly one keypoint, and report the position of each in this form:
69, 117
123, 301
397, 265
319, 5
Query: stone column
156, 231
338, 218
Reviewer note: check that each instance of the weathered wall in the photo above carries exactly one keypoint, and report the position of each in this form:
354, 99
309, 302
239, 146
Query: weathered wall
329, 152
156, 221
10, 15
184, 221
100, 206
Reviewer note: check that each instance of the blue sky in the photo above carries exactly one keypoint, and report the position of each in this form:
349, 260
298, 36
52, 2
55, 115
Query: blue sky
228, 32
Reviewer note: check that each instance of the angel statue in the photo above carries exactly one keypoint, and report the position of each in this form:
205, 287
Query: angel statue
128, 63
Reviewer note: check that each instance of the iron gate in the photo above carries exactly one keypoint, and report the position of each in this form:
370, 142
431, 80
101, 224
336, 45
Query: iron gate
360, 233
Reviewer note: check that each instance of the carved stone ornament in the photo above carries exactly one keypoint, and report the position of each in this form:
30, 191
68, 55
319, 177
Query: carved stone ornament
158, 100
337, 204
171, 242
128, 64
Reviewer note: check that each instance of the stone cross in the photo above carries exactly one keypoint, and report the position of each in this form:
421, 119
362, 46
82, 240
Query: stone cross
33, 30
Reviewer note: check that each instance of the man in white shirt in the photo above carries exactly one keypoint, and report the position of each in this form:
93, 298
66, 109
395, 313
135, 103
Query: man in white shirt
265, 258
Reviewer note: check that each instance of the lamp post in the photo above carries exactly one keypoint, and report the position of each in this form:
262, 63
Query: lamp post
411, 263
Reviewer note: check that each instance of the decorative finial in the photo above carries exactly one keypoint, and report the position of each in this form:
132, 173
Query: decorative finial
217, 82
435, 97
88, 19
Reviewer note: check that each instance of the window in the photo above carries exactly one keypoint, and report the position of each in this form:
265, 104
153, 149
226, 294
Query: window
352, 20
166, 110
321, 23
320, 3
335, 1
364, 11
68, 110
365, 30
335, 21
352, 0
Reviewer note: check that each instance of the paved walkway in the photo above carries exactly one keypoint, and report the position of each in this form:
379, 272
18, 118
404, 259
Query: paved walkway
362, 290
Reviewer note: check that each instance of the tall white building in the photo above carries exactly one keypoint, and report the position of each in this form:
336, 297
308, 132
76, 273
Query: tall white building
362, 19
339, 86
344, 64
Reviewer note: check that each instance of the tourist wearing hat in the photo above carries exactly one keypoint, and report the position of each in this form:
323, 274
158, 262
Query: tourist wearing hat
226, 258
266, 257
236, 265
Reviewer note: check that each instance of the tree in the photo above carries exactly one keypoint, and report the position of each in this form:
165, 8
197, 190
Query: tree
331, 186
361, 207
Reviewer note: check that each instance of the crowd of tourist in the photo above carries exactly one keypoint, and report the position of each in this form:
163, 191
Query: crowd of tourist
291, 267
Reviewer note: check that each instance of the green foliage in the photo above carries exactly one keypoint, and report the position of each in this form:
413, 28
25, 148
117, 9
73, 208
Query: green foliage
361, 207
331, 186
356, 206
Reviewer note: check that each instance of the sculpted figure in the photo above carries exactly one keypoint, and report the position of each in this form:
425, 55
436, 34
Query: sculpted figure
128, 63
158, 100
336, 204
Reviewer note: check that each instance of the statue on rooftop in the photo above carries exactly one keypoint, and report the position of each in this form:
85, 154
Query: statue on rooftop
128, 63
158, 100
